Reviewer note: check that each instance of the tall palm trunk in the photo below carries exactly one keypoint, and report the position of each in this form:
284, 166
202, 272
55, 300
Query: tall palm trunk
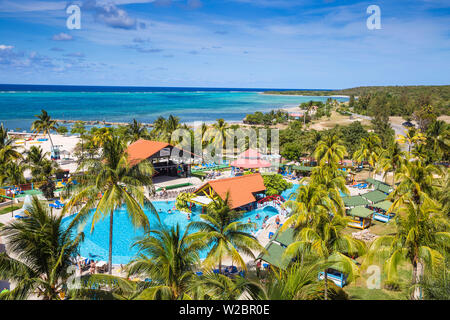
326, 284
417, 273
111, 220
50, 137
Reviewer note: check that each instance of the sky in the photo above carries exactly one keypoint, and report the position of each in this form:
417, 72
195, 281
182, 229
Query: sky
301, 44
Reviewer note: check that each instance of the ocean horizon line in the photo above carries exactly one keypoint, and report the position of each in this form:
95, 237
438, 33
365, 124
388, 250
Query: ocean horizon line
6, 87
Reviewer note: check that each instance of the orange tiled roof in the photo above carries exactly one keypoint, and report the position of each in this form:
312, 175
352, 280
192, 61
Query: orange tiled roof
240, 188
143, 149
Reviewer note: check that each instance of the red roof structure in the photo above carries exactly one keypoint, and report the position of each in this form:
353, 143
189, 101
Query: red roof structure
144, 149
250, 159
240, 189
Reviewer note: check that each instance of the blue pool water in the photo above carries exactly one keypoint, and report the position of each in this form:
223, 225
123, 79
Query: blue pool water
95, 244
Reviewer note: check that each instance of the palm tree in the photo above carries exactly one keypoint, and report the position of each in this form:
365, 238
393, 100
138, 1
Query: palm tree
390, 160
422, 153
333, 182
415, 178
313, 141
173, 123
44, 124
221, 127
79, 128
40, 252
309, 201
421, 230
412, 137
309, 107
14, 173
297, 282
119, 183
101, 135
216, 286
35, 160
369, 150
168, 258
159, 127
7, 150
324, 238
438, 138
136, 131
109, 287
443, 192
329, 151
221, 229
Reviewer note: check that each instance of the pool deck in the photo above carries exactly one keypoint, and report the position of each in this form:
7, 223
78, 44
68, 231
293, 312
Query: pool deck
262, 235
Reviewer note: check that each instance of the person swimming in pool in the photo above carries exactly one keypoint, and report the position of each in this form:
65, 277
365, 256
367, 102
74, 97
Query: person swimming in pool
249, 220
189, 216
170, 211
257, 216
266, 218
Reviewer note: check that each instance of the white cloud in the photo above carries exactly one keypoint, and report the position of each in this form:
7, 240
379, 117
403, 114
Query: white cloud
31, 6
5, 47
62, 37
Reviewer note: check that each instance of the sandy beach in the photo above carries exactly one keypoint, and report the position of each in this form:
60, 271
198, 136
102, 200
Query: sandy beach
66, 144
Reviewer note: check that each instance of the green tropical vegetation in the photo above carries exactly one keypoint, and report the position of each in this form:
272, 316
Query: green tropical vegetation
275, 184
412, 249
401, 100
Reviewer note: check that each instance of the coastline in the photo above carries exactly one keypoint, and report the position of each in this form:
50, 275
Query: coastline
303, 95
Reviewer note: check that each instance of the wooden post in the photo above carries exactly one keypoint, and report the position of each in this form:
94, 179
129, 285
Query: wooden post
12, 206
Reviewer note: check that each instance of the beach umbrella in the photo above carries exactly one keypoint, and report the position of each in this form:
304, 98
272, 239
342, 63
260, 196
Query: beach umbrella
28, 202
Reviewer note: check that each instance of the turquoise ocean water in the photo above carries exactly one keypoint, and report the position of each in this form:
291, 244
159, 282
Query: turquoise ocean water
18, 108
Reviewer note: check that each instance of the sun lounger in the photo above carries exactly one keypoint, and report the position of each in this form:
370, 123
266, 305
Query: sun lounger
59, 203
102, 267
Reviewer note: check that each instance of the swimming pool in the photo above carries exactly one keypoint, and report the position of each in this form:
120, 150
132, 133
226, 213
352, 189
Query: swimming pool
95, 244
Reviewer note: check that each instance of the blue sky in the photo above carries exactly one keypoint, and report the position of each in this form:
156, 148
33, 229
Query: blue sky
225, 43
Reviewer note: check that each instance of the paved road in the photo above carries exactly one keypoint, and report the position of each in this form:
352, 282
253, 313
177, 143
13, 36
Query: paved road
398, 128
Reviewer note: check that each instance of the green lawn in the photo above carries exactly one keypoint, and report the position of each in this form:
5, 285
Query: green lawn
361, 293
358, 290
8, 209
35, 192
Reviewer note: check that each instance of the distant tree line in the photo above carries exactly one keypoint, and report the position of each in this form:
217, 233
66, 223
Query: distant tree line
268, 118
398, 100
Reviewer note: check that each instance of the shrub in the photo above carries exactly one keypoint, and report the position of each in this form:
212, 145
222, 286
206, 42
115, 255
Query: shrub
181, 203
275, 184
48, 189
392, 285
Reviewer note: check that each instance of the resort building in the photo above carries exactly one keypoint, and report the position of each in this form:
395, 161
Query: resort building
275, 249
380, 185
160, 156
243, 191
251, 159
